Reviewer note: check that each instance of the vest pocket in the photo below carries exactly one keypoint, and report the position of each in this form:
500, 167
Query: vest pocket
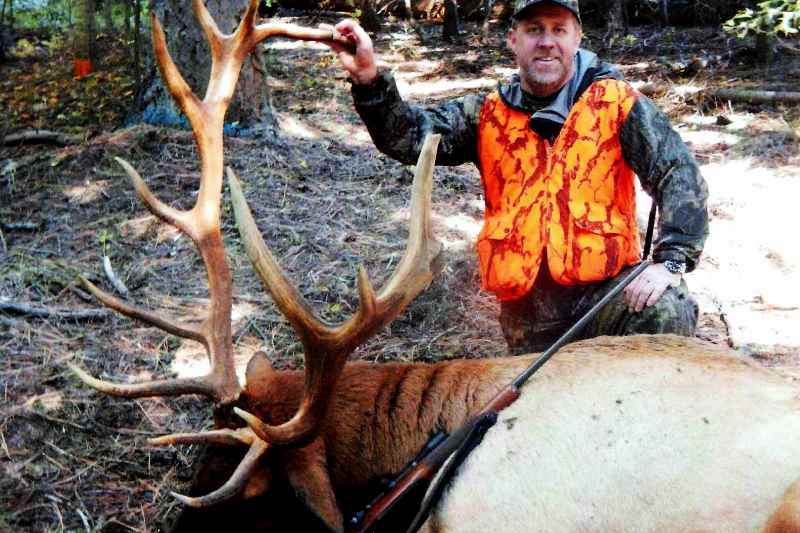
505, 267
599, 249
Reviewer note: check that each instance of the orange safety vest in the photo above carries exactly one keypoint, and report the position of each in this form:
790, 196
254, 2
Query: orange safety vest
574, 198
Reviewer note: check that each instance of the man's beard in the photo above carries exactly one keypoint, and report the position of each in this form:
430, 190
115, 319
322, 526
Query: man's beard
547, 82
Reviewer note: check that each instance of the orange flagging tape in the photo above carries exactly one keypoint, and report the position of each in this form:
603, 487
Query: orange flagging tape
81, 68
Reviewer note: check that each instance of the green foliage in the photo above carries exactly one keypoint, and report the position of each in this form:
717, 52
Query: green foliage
104, 239
63, 14
772, 17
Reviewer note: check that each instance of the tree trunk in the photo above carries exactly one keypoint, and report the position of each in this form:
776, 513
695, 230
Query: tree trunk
126, 17
616, 25
489, 6
765, 48
250, 106
450, 32
137, 42
664, 9
84, 46
108, 16
8, 20
369, 19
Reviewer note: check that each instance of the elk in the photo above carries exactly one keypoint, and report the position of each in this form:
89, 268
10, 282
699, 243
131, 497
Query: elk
643, 433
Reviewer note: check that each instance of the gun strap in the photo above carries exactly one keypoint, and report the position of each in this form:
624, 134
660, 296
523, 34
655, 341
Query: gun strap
648, 237
472, 439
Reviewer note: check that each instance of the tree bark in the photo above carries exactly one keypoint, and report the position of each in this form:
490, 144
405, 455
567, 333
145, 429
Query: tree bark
250, 106
369, 19
126, 17
758, 97
85, 32
616, 25
765, 48
108, 16
137, 43
450, 32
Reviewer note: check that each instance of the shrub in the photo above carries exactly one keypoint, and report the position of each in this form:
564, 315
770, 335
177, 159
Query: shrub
772, 17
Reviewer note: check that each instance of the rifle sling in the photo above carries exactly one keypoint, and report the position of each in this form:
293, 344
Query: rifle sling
470, 441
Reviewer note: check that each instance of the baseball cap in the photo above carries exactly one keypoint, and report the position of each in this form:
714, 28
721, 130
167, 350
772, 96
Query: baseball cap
524, 5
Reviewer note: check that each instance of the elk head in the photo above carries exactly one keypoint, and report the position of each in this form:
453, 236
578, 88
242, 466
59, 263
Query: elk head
278, 422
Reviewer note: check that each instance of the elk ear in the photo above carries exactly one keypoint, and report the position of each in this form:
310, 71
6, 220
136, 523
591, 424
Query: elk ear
307, 472
259, 375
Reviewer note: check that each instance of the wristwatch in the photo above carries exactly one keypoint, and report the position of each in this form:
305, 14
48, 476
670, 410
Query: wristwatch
675, 267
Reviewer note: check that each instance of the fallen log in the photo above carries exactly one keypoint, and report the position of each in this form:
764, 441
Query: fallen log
734, 95
40, 136
19, 226
46, 312
758, 97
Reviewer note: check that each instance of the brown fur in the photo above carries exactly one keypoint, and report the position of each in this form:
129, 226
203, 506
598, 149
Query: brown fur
786, 518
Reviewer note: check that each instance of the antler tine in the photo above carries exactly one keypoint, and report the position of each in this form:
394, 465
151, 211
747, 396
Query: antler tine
164, 387
235, 484
181, 330
248, 22
213, 34
227, 437
327, 347
178, 88
286, 297
251, 34
170, 215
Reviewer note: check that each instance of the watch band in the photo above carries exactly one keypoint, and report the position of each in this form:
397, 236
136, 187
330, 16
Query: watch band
676, 267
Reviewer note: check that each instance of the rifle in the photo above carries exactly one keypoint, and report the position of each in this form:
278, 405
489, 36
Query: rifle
417, 477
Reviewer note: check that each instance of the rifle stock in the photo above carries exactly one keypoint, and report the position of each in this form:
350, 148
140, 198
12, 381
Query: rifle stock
416, 480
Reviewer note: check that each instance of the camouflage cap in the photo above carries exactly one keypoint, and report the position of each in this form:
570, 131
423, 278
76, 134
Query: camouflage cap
521, 6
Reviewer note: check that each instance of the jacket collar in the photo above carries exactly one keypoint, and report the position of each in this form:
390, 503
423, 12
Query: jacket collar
548, 120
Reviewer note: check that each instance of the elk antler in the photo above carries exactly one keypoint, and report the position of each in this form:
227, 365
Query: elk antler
327, 347
202, 222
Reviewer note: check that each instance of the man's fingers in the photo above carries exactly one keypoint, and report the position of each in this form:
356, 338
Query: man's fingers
657, 293
632, 292
642, 297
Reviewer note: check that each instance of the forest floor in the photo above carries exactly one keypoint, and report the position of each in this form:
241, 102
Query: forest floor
326, 200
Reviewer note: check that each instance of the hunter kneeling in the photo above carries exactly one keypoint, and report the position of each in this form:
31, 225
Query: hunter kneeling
557, 148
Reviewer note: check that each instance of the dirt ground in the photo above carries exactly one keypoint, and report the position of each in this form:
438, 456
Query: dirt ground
326, 200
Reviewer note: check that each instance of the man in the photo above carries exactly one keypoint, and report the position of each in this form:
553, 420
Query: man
557, 148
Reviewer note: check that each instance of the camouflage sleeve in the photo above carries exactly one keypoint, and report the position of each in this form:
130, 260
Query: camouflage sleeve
670, 175
399, 129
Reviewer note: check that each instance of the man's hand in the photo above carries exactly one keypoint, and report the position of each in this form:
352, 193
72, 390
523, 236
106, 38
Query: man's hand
360, 66
648, 287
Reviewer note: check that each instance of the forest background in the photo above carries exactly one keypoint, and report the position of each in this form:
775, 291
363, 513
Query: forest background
78, 88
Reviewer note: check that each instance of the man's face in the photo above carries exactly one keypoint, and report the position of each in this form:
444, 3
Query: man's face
544, 43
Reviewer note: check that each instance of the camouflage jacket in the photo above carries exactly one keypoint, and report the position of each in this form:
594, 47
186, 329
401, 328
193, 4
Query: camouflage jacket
666, 168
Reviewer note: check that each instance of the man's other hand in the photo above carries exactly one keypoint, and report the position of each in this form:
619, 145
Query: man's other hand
360, 65
646, 289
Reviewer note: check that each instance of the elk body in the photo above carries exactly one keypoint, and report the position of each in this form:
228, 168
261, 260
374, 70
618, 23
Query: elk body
626, 434
642, 433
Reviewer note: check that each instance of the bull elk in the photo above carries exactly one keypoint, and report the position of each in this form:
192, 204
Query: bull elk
644, 433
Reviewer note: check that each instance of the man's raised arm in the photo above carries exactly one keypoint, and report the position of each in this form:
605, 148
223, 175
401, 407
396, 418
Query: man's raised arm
397, 128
